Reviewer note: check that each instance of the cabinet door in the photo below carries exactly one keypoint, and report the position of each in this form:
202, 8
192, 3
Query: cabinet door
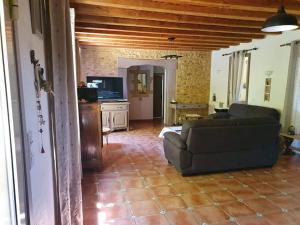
105, 119
119, 119
90, 134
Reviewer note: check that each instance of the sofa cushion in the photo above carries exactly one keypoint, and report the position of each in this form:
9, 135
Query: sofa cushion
252, 111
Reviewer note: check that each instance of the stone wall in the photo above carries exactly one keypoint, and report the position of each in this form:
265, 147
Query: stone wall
192, 76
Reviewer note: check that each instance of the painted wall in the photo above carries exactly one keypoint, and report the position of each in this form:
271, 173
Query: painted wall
141, 108
192, 75
39, 165
269, 58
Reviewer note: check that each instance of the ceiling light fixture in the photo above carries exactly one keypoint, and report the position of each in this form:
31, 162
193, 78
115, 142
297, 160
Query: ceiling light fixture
171, 41
280, 22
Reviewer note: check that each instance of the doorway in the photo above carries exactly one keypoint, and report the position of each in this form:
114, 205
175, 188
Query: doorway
145, 84
169, 82
158, 90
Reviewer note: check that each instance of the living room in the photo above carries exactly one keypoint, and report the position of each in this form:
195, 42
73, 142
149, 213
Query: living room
89, 93
153, 189
150, 175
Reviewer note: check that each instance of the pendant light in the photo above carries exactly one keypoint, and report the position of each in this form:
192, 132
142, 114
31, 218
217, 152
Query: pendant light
171, 41
280, 22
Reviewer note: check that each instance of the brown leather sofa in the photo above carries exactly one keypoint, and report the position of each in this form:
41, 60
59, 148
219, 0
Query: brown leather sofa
245, 137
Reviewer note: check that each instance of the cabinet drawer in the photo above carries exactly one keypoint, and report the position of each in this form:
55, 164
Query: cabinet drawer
113, 107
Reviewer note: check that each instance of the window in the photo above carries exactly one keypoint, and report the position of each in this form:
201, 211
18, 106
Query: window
238, 79
243, 96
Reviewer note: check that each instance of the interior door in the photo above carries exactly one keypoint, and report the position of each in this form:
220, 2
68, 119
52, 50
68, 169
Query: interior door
157, 95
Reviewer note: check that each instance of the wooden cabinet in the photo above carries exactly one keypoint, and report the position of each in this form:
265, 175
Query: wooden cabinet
90, 134
115, 115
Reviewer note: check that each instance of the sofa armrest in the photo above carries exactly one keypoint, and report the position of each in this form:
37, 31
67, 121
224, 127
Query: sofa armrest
175, 139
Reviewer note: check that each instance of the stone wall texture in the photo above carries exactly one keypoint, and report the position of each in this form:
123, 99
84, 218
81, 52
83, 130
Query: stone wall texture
192, 75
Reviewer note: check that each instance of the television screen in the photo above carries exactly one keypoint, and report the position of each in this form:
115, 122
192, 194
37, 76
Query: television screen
108, 87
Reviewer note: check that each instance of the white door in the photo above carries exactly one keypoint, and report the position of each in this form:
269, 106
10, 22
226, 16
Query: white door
119, 119
105, 119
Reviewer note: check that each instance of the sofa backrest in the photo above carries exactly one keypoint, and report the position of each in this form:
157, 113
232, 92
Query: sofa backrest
223, 122
243, 135
252, 111
203, 123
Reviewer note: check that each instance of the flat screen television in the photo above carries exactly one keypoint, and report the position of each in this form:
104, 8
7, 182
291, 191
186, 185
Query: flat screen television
108, 88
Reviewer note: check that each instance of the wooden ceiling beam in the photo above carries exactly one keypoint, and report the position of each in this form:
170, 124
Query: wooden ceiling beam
82, 43
170, 32
132, 42
196, 24
158, 16
184, 9
164, 39
165, 44
291, 6
161, 24
138, 34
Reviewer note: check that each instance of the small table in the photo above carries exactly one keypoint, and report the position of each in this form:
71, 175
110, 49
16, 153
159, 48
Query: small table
288, 140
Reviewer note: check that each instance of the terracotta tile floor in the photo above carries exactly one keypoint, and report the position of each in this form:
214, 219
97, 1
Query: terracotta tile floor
138, 187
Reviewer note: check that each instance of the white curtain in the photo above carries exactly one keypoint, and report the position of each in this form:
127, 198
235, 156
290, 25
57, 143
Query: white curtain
235, 76
291, 112
66, 116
